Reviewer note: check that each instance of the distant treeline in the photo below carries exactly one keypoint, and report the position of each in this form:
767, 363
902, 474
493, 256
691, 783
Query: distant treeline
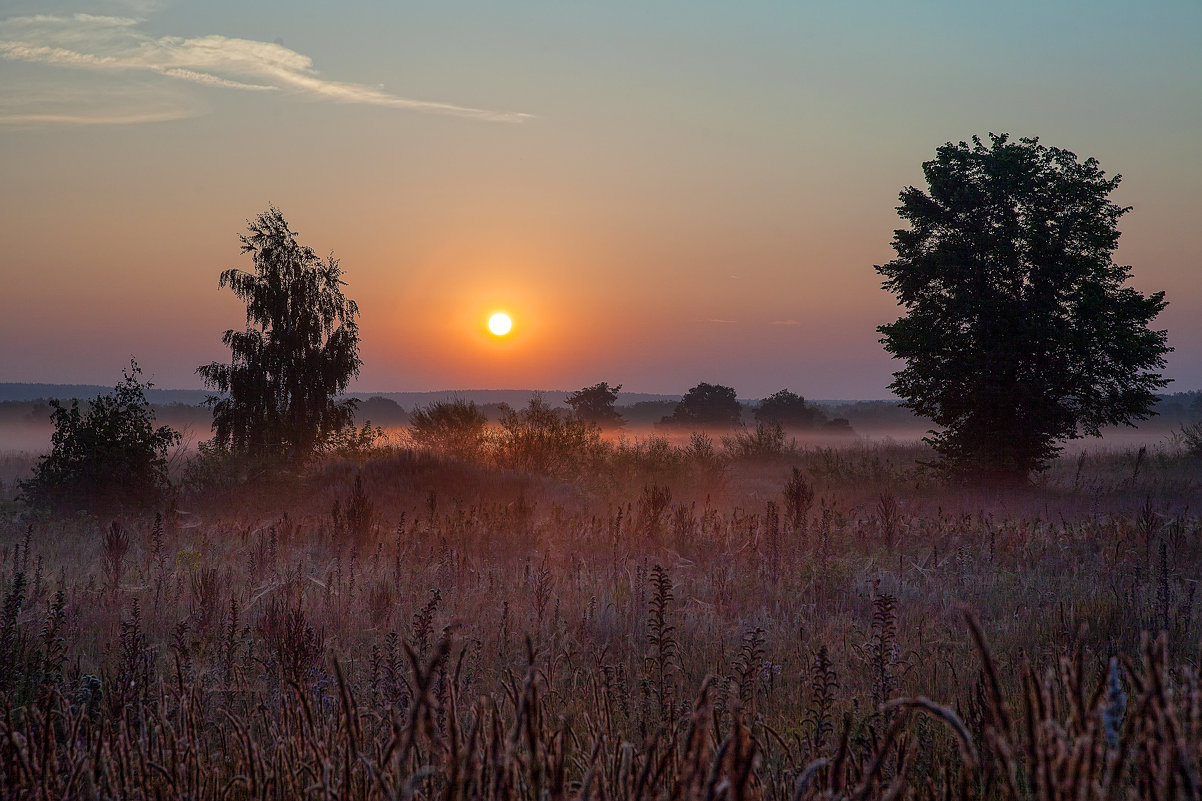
36, 412
10, 391
865, 417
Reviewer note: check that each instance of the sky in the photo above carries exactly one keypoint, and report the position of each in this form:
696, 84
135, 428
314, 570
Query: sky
659, 193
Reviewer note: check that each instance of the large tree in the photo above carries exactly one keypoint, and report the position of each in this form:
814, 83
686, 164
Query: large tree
298, 352
1019, 331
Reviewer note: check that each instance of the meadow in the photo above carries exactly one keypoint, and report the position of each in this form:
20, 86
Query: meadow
612, 618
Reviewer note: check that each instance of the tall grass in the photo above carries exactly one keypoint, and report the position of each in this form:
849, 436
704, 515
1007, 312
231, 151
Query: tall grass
658, 621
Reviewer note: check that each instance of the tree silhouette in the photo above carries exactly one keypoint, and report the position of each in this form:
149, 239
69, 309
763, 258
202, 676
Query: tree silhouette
789, 410
595, 404
1018, 331
298, 352
707, 405
111, 456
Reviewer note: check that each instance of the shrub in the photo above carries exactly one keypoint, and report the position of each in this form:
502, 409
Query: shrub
1191, 436
840, 425
541, 439
111, 456
354, 443
454, 427
765, 441
700, 451
217, 469
637, 459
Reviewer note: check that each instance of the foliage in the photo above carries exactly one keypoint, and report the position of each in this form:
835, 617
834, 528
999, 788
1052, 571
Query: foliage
799, 498
354, 443
765, 441
299, 351
647, 412
1019, 331
595, 404
540, 439
455, 427
1191, 436
707, 405
214, 471
838, 425
649, 457
788, 410
700, 452
112, 455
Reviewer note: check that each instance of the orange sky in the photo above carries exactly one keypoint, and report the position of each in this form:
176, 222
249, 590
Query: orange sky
690, 198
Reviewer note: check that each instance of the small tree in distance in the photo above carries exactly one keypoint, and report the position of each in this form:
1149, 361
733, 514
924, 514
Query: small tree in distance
112, 455
707, 405
595, 404
788, 410
298, 352
1018, 330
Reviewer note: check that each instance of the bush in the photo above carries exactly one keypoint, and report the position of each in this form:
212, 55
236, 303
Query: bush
1191, 436
110, 456
454, 427
214, 469
355, 444
840, 425
540, 439
765, 441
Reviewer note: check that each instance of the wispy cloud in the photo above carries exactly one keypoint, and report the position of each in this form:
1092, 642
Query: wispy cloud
723, 322
38, 101
116, 45
92, 118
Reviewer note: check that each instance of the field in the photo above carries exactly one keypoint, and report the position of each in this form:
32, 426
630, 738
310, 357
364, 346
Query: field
645, 618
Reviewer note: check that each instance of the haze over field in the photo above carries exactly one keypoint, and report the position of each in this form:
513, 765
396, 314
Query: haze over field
659, 194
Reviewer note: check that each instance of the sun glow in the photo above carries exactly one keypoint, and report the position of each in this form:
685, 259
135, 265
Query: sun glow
500, 324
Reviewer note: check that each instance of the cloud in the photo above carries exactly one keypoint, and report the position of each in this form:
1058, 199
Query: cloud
785, 322
108, 44
130, 118
723, 322
39, 101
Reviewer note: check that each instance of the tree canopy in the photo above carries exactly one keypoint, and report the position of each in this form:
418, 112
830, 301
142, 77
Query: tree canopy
298, 352
1018, 329
112, 455
707, 405
789, 410
595, 404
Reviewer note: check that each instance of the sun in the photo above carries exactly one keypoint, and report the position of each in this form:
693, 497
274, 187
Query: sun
500, 324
